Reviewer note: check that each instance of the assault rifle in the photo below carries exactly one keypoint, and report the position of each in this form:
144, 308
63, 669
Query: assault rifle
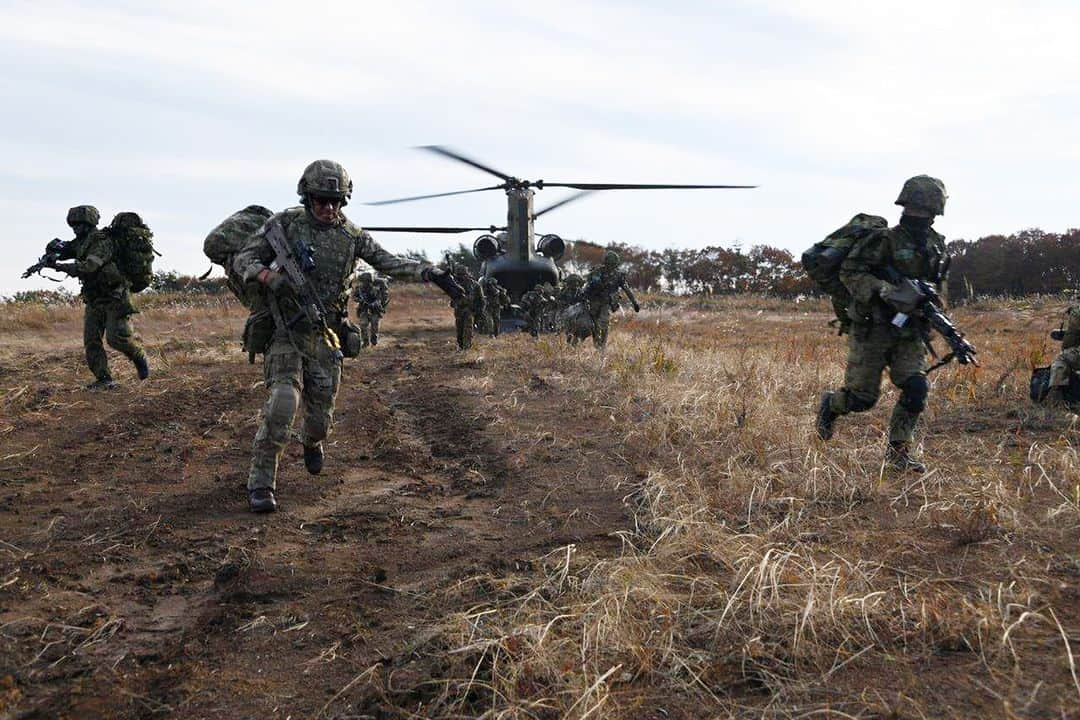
925, 302
53, 253
295, 260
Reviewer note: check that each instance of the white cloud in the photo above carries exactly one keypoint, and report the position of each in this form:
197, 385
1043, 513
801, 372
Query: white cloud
192, 109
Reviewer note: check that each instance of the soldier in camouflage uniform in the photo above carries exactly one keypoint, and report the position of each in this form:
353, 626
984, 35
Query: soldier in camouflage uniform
372, 296
302, 363
531, 304
106, 293
495, 299
601, 293
1068, 360
914, 250
469, 308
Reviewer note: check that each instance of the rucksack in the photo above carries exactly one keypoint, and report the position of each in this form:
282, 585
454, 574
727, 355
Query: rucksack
134, 249
228, 238
823, 260
1039, 387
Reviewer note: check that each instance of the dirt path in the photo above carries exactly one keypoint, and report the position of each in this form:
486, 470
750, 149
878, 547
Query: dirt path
134, 583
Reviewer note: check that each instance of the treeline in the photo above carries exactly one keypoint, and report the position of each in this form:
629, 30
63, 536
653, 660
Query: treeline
1024, 263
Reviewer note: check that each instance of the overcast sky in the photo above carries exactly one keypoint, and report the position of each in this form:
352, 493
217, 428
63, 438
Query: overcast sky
187, 111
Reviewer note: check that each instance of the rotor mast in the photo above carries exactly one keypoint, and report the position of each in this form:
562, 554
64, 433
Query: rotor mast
519, 222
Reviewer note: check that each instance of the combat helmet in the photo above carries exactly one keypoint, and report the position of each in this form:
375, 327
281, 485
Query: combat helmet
611, 259
325, 178
83, 214
923, 194
366, 277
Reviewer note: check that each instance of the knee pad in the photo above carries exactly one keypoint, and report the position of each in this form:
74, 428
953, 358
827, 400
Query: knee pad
859, 402
913, 393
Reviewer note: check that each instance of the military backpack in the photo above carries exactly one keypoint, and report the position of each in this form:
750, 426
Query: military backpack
228, 238
822, 261
134, 249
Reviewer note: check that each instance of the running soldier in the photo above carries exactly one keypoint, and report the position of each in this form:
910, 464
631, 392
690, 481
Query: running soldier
601, 294
495, 299
468, 308
303, 286
911, 249
106, 291
372, 296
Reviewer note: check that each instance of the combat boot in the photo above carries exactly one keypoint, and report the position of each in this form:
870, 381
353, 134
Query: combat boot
261, 500
102, 384
142, 367
374, 339
1055, 399
899, 458
826, 418
313, 458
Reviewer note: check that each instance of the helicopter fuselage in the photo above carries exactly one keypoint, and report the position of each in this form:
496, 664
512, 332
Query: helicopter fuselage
518, 267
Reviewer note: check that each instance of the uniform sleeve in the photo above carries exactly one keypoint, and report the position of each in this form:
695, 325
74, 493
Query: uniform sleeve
255, 256
98, 255
386, 262
857, 271
1072, 328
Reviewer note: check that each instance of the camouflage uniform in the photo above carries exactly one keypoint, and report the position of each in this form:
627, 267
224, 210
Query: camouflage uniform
301, 364
916, 251
496, 299
531, 304
106, 293
1068, 360
372, 296
601, 294
468, 308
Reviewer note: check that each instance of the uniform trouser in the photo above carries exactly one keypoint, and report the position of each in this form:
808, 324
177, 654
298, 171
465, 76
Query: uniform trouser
110, 318
1063, 366
494, 318
307, 374
601, 319
463, 323
870, 350
369, 327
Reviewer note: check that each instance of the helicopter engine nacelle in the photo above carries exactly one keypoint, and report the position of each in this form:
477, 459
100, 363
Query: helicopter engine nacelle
485, 247
551, 246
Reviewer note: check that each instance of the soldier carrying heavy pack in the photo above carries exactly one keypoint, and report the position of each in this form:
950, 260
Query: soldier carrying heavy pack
302, 259
881, 270
109, 263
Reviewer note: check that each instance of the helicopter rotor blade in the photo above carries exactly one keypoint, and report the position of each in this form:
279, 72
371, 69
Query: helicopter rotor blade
454, 155
638, 186
564, 201
444, 230
436, 195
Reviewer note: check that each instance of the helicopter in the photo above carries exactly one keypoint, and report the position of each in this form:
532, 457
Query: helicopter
512, 254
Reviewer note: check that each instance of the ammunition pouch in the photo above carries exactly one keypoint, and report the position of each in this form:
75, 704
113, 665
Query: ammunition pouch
258, 333
349, 336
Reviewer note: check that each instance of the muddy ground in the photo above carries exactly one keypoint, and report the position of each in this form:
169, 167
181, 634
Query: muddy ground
134, 583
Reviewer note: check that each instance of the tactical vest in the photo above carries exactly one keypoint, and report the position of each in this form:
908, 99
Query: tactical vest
334, 250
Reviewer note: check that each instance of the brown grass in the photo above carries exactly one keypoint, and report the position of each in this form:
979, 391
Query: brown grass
765, 573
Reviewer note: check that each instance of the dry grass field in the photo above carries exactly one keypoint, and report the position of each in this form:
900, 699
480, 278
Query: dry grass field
528, 530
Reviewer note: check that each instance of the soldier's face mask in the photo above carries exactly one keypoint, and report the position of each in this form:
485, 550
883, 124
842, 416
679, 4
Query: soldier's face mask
919, 227
325, 209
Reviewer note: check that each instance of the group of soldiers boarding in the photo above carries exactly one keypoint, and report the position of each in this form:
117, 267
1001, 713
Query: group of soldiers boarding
579, 307
880, 279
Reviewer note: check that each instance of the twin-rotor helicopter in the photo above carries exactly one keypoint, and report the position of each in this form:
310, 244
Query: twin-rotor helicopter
512, 254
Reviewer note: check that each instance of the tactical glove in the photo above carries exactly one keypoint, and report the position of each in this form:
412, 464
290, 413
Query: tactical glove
904, 297
277, 282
